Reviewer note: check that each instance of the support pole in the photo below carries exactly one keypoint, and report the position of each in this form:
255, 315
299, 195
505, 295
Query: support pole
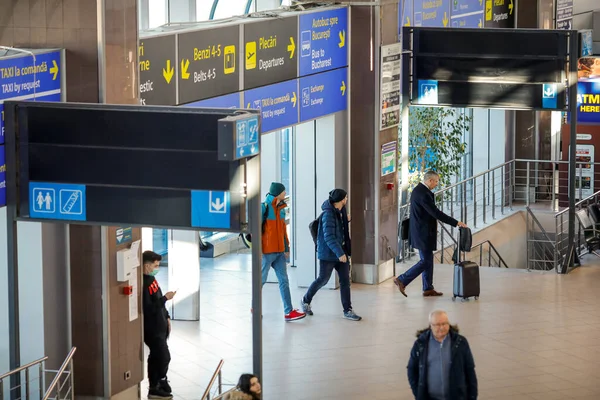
12, 252
572, 87
405, 89
254, 221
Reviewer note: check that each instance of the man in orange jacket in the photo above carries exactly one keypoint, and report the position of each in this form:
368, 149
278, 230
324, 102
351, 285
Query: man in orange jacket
275, 246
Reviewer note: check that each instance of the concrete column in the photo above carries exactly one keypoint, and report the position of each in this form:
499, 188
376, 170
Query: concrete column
374, 208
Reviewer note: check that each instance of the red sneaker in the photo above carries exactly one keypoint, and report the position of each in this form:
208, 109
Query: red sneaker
294, 315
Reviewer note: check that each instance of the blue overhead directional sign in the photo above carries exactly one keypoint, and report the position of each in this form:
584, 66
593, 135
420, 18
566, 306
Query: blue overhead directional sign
22, 78
549, 95
428, 92
323, 41
323, 94
211, 209
468, 21
57, 201
432, 13
228, 101
246, 137
278, 104
2, 177
467, 13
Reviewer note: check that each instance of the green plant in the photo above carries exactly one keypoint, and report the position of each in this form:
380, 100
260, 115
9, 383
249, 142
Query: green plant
436, 142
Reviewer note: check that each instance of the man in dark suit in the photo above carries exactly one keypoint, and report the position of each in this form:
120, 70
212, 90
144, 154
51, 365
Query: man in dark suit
424, 215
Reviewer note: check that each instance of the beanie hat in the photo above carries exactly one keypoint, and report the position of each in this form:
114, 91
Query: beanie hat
276, 189
337, 195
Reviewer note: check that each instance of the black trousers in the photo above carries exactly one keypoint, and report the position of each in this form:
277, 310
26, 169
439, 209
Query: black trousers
158, 360
325, 270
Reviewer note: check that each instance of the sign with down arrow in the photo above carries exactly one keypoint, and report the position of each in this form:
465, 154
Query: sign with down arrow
157, 70
208, 63
211, 209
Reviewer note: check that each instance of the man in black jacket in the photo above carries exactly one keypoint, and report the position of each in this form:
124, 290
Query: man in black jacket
441, 365
424, 215
157, 326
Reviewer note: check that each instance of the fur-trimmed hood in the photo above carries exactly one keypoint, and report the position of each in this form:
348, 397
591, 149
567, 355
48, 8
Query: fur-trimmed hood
453, 329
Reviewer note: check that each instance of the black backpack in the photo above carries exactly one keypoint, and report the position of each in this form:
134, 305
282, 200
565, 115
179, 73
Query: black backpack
313, 227
263, 225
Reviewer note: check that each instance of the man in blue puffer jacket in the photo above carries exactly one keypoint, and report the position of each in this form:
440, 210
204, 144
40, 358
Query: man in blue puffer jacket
333, 250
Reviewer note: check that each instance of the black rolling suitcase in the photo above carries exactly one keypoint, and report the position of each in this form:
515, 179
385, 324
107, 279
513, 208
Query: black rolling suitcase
466, 277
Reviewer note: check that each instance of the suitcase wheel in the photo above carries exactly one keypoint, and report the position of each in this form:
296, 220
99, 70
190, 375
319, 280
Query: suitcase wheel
454, 298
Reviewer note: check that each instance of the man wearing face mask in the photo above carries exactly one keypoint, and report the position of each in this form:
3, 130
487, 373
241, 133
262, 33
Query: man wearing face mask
157, 327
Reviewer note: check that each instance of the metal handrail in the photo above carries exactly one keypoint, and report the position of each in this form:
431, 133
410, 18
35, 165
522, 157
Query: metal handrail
500, 259
480, 245
216, 374
457, 184
23, 368
580, 202
61, 371
539, 225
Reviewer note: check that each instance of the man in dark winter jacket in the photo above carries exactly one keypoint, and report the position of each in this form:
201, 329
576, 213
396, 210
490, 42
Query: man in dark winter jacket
424, 216
157, 326
441, 365
333, 250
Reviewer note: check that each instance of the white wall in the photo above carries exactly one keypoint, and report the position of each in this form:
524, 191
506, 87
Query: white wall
57, 294
306, 207
31, 289
184, 274
4, 340
270, 162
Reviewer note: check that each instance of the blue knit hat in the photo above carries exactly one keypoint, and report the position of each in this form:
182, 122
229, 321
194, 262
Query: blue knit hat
276, 189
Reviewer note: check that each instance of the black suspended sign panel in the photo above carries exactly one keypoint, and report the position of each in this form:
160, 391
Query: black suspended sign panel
111, 165
492, 68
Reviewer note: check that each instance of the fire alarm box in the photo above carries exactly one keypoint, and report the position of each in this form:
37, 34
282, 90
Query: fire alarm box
127, 261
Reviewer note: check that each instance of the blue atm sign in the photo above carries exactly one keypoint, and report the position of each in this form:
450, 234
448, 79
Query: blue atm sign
588, 102
323, 41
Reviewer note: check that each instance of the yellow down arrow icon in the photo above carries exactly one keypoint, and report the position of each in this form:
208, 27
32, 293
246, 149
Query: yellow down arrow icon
291, 47
168, 72
343, 88
342, 36
54, 70
445, 20
184, 69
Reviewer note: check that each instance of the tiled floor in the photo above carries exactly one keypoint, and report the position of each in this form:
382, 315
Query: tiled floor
533, 335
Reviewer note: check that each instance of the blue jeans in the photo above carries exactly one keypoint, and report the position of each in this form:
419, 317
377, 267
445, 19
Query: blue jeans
425, 267
325, 270
278, 262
